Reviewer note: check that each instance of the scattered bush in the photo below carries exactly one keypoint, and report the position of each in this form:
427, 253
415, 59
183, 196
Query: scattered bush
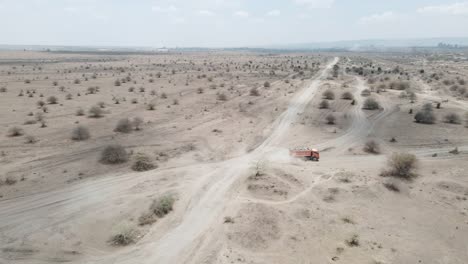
222, 97
353, 241
452, 118
329, 95
114, 154
331, 119
124, 126
347, 96
30, 139
372, 146
151, 106
391, 186
371, 104
124, 235
399, 85
426, 115
79, 112
142, 163
162, 206
52, 100
80, 133
137, 121
95, 112
324, 104
266, 85
366, 92
15, 132
254, 92
401, 165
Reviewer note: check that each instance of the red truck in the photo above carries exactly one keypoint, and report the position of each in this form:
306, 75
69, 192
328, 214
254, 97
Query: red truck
310, 154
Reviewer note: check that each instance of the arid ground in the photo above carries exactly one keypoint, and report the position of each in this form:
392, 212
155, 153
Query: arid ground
204, 173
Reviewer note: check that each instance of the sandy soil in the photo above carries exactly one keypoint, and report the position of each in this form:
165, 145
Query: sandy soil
240, 197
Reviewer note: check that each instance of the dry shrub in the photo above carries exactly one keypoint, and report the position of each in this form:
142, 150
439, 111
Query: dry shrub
266, 84
324, 104
142, 163
80, 133
95, 112
329, 95
399, 85
124, 235
30, 139
366, 92
159, 208
353, 241
254, 92
79, 112
371, 104
331, 119
372, 146
114, 154
426, 115
222, 97
162, 206
401, 165
391, 186
52, 100
347, 96
15, 132
151, 106
452, 118
124, 126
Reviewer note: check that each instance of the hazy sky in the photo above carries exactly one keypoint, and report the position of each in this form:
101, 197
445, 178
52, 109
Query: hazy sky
215, 23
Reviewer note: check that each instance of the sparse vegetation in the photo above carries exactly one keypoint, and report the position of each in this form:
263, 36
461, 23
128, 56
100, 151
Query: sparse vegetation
452, 118
52, 100
80, 133
15, 132
142, 163
124, 235
331, 119
324, 104
401, 165
347, 96
372, 146
254, 92
329, 95
426, 115
95, 112
370, 104
114, 154
124, 126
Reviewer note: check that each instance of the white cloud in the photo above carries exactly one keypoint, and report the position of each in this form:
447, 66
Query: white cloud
460, 8
274, 13
315, 3
378, 18
167, 10
205, 13
241, 13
